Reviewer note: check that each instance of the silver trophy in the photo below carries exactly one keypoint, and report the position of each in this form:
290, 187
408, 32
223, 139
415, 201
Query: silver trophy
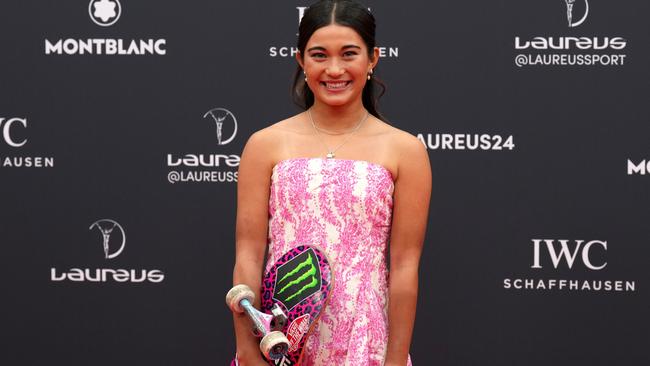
219, 122
106, 233
109, 226
215, 114
569, 11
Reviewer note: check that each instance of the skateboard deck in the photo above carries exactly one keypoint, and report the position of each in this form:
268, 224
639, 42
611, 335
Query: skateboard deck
300, 283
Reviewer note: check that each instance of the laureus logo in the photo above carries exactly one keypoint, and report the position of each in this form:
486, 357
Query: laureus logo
570, 15
113, 239
574, 50
105, 12
222, 116
108, 228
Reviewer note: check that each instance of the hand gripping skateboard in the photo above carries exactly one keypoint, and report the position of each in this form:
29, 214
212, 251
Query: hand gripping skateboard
294, 293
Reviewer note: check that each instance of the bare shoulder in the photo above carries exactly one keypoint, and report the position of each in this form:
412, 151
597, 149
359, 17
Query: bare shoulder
402, 138
409, 152
273, 131
264, 146
255, 149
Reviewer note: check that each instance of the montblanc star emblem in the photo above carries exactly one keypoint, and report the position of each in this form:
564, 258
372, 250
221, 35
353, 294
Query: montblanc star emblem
104, 12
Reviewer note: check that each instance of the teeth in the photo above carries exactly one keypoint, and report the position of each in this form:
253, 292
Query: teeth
338, 85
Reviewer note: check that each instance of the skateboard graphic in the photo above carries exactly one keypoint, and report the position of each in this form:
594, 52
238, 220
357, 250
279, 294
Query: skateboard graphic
294, 293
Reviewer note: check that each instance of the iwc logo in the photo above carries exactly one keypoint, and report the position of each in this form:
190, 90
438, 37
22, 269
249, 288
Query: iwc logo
221, 116
104, 12
6, 131
14, 133
107, 228
569, 266
569, 13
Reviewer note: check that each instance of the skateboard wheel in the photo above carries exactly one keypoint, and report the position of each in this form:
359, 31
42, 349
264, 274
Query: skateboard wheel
274, 345
236, 295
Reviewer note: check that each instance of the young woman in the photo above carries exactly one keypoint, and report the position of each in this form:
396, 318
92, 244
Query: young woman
338, 177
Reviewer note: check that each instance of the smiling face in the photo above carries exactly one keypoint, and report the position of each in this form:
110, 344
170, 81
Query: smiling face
336, 64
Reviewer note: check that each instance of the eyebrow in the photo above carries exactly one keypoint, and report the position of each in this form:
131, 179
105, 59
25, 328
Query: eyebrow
319, 48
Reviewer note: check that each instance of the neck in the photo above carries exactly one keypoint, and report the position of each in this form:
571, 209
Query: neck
337, 118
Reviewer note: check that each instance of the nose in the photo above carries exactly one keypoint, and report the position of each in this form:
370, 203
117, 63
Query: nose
334, 69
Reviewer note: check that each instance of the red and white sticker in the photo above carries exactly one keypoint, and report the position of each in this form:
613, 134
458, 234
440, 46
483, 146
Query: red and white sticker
296, 331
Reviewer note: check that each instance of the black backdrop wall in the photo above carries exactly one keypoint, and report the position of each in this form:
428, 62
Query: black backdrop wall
118, 194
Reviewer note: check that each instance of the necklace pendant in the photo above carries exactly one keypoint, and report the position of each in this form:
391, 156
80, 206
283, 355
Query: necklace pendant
330, 155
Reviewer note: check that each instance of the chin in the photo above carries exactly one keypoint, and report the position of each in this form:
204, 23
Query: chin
337, 101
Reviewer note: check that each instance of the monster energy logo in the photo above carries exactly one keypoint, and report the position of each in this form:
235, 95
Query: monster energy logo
297, 279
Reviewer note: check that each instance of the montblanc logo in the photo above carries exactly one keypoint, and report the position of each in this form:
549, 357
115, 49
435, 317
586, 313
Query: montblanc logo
113, 241
225, 131
105, 12
569, 12
221, 116
14, 134
641, 168
106, 227
551, 256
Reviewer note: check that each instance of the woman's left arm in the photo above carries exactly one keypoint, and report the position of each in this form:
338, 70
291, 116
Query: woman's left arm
410, 216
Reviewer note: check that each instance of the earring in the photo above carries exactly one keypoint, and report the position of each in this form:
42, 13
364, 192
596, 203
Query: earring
369, 74
305, 75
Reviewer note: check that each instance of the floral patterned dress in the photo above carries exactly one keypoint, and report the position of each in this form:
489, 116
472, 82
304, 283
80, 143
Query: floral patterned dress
344, 207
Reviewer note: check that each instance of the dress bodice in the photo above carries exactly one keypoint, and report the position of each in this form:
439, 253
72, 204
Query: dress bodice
344, 207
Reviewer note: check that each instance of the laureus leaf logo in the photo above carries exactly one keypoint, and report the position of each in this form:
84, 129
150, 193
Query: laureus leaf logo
569, 13
106, 227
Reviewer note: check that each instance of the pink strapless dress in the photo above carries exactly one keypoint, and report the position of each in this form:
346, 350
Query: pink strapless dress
345, 208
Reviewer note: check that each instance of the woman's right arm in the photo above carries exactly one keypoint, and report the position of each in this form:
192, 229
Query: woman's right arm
251, 235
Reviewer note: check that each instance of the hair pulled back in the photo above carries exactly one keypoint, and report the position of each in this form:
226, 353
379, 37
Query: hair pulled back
347, 13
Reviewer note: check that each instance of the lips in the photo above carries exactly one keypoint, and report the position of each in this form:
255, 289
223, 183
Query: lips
336, 85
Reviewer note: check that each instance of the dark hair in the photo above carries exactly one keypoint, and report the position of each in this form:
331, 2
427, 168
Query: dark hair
346, 13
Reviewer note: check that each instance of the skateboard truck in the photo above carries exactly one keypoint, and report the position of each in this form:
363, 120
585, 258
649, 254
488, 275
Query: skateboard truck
274, 343
269, 322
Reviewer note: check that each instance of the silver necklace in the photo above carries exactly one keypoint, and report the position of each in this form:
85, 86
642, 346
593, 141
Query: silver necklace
330, 152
